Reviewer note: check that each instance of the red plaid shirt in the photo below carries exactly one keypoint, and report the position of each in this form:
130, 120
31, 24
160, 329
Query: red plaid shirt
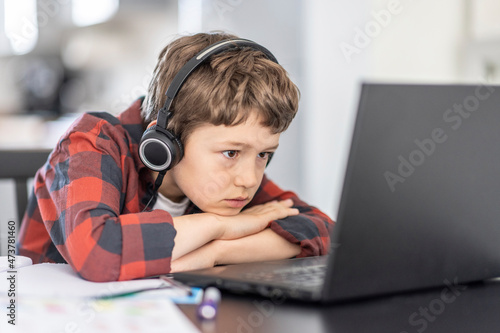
87, 202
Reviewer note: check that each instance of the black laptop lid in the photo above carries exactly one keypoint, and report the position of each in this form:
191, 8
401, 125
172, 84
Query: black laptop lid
421, 200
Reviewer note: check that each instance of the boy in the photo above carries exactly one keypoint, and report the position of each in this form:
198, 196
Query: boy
97, 206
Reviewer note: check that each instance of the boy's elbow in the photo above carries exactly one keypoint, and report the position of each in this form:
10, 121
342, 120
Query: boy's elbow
311, 248
99, 271
97, 276
93, 276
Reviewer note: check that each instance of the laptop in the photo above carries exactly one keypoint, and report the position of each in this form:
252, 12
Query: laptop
420, 205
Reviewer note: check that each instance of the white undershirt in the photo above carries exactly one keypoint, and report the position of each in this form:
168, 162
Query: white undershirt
173, 208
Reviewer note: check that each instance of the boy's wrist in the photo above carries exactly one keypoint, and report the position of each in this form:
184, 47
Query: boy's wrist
218, 224
218, 250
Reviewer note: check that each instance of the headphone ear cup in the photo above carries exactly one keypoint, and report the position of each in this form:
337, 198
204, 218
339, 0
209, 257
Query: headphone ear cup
160, 150
180, 149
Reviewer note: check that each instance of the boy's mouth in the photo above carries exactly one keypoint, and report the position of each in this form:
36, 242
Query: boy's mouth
238, 202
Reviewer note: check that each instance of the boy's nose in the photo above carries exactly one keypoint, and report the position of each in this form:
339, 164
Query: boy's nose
246, 175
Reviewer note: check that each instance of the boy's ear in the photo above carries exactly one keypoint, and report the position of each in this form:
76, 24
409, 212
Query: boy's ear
151, 124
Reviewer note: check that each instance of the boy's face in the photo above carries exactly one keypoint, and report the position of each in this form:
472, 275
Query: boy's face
222, 166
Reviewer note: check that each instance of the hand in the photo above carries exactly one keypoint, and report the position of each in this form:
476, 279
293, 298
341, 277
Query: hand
255, 219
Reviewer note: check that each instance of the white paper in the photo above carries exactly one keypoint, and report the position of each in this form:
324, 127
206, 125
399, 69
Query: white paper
124, 315
53, 298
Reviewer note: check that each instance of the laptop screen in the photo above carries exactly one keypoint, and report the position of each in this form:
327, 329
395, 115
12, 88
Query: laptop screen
421, 196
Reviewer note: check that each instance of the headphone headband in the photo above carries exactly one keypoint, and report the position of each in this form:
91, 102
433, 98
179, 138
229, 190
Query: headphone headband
195, 62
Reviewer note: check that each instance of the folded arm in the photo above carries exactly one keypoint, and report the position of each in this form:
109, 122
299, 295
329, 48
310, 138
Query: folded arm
305, 232
196, 230
262, 246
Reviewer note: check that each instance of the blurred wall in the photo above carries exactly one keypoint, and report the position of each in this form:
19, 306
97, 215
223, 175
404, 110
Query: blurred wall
349, 42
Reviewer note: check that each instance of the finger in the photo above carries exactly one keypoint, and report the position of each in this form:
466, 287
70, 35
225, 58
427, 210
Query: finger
291, 212
284, 212
287, 202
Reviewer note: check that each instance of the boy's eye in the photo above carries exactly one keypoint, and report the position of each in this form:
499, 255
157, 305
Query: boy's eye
230, 153
264, 155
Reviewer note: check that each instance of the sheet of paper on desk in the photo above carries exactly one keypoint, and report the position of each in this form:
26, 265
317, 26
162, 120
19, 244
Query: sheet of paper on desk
59, 280
52, 298
124, 315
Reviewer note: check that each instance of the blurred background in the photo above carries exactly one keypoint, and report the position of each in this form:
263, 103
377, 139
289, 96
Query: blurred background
59, 58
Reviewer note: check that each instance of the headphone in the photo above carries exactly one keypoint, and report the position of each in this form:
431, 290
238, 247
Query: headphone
159, 149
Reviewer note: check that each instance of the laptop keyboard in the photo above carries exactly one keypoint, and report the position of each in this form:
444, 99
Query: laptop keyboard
308, 276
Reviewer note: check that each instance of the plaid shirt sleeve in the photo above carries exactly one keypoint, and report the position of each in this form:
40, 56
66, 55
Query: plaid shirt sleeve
88, 206
310, 229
